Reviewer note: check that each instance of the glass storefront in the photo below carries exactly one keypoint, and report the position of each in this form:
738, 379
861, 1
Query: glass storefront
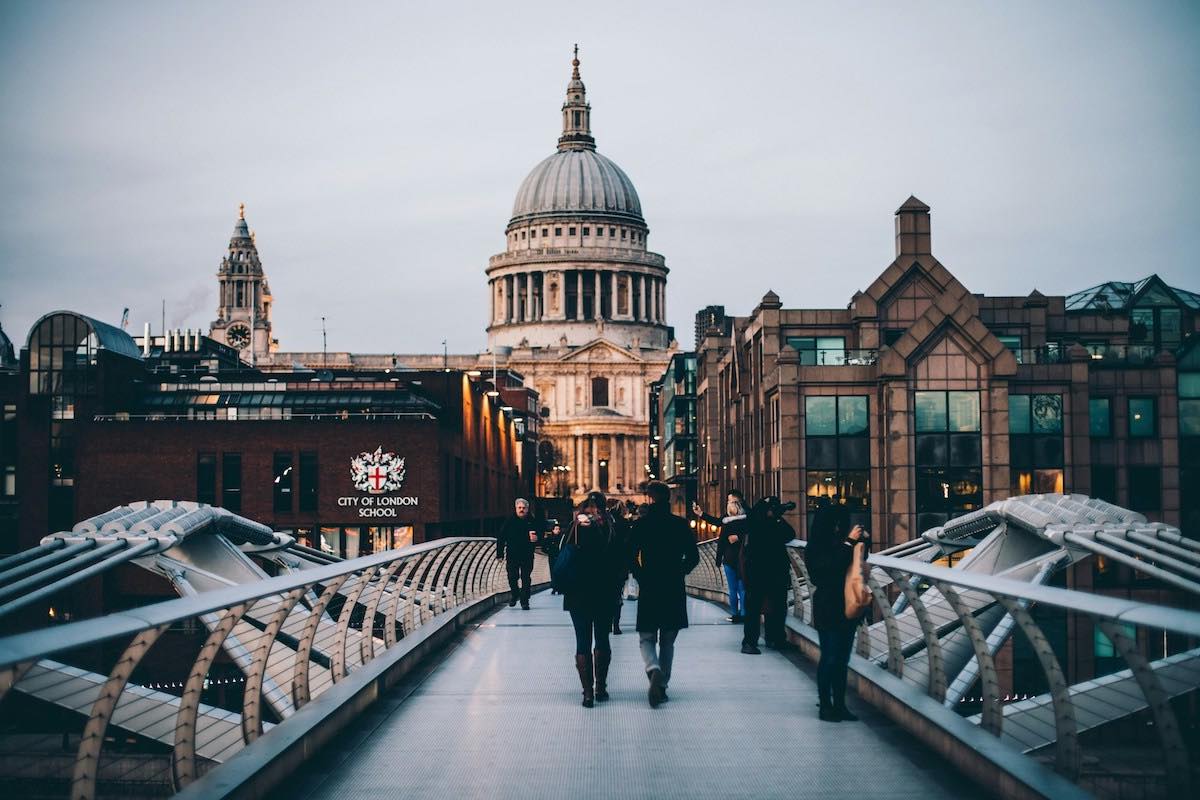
354, 541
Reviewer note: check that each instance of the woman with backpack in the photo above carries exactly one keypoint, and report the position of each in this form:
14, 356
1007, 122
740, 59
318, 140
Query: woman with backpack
829, 554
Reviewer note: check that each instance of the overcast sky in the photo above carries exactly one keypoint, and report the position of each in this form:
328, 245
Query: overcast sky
378, 149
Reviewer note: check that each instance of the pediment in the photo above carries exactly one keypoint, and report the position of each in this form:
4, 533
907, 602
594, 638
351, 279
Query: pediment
602, 350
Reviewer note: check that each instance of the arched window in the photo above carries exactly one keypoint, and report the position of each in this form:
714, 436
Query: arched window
599, 391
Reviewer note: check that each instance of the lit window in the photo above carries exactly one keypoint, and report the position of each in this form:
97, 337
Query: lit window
1141, 417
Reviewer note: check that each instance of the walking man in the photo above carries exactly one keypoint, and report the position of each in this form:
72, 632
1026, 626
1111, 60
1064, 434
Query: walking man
518, 537
664, 551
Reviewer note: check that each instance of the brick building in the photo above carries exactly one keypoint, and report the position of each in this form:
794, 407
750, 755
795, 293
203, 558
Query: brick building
104, 419
921, 401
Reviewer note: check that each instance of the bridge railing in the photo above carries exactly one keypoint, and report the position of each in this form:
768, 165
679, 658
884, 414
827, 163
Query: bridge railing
942, 640
229, 665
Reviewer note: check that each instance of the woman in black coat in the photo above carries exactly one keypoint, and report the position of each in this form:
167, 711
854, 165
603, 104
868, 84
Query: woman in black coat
767, 572
829, 553
589, 599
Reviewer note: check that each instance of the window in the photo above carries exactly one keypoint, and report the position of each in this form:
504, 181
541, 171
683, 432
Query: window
599, 391
612, 232
231, 482
558, 231
837, 453
1012, 343
308, 482
1104, 483
1145, 489
206, 478
1099, 417
1189, 404
949, 456
8, 481
545, 231
1141, 417
892, 335
522, 234
586, 231
819, 350
622, 233
1035, 422
282, 490
571, 231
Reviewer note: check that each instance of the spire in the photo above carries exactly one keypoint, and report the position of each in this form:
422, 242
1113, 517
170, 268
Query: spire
577, 114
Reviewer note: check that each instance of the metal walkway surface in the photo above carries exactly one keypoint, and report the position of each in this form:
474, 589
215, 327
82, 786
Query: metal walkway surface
499, 717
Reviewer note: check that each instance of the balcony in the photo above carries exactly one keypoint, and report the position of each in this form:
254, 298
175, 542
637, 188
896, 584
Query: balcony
838, 358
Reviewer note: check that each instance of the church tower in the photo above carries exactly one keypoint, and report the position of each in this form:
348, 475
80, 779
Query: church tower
244, 306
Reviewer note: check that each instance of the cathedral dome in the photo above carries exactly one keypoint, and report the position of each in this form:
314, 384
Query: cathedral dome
577, 181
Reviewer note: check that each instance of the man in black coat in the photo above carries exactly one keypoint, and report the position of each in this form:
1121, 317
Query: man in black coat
664, 551
515, 542
767, 572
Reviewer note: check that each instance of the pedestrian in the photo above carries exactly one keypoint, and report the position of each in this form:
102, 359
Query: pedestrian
515, 543
550, 546
601, 559
730, 529
664, 552
767, 573
829, 553
621, 528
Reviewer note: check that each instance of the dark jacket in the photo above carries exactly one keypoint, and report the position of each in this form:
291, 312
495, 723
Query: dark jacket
512, 542
729, 553
827, 556
764, 557
663, 551
602, 566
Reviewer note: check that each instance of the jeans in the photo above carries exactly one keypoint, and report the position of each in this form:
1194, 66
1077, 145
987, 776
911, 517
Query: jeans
589, 629
519, 570
737, 591
662, 656
775, 600
836, 644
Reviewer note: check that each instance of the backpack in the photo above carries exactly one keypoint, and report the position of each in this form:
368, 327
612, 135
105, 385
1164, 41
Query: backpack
857, 595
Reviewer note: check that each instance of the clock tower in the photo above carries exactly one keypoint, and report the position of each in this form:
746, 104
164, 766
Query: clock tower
244, 308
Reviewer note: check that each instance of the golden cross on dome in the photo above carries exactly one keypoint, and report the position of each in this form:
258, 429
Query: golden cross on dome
241, 210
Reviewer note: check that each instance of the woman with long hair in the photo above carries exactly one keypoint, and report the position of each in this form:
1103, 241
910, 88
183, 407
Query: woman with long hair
590, 597
829, 553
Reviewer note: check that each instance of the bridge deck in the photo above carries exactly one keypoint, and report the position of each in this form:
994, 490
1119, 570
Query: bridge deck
499, 717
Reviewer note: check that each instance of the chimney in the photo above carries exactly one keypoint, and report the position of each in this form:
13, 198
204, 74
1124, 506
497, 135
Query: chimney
912, 229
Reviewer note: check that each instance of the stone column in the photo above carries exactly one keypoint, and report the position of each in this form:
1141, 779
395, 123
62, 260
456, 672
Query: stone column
614, 284
642, 293
653, 317
633, 468
528, 296
578, 294
616, 461
597, 305
629, 298
662, 300
595, 476
577, 464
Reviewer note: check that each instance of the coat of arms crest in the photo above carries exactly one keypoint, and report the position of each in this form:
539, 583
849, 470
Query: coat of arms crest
377, 472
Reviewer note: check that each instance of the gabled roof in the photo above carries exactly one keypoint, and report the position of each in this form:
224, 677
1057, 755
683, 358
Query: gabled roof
601, 350
1119, 295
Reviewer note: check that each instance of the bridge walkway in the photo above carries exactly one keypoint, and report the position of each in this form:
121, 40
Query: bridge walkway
498, 716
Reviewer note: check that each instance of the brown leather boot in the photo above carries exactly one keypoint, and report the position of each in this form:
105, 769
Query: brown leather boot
583, 665
603, 659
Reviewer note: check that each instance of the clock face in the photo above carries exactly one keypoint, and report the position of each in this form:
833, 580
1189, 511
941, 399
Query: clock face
238, 336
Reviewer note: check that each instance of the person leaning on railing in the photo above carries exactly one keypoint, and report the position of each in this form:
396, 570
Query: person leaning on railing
729, 548
830, 550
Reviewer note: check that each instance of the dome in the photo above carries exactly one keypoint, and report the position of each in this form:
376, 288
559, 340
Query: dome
577, 182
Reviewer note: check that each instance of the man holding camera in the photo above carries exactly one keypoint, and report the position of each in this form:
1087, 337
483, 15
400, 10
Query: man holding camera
767, 573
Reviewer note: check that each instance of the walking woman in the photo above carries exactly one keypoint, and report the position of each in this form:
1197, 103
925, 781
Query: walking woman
590, 597
829, 553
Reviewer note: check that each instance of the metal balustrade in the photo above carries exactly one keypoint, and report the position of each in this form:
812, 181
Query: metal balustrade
164, 693
935, 639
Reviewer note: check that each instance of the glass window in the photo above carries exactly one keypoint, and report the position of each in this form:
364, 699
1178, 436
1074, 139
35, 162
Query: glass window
1012, 343
1047, 413
831, 350
1170, 330
852, 415
308, 482
8, 484
1141, 325
1189, 417
587, 231
820, 416
206, 478
930, 408
599, 391
963, 409
1189, 384
282, 489
1141, 416
1102, 646
558, 231
231, 482
571, 231
1145, 486
1104, 483
1099, 417
1018, 413
331, 541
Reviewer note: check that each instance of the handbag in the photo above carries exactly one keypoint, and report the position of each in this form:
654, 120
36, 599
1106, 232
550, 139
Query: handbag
567, 567
857, 596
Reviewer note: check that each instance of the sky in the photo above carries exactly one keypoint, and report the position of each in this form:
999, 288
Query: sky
378, 148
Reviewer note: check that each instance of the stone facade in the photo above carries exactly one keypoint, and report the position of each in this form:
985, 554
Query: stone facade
920, 401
